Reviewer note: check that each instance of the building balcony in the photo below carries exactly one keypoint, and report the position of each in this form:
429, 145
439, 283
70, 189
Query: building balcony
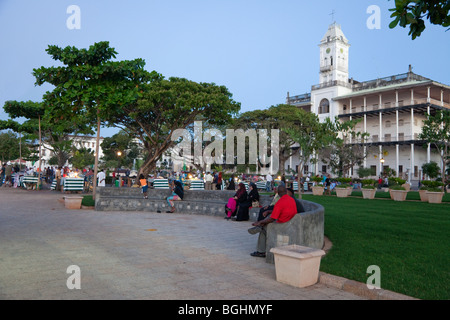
390, 106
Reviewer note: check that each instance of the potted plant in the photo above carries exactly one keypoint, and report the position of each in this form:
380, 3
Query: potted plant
342, 190
345, 183
435, 192
368, 189
398, 193
317, 189
402, 182
435, 195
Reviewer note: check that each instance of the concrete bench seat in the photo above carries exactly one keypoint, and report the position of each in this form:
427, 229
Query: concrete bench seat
305, 229
195, 201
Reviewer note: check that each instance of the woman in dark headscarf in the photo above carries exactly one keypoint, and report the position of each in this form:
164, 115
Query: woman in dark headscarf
177, 195
244, 206
239, 197
231, 185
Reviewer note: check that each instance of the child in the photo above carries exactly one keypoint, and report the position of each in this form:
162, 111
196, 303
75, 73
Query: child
144, 185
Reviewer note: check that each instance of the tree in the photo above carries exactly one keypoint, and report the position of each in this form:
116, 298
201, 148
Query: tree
311, 136
82, 158
436, 131
276, 117
120, 148
348, 150
431, 169
413, 12
12, 148
166, 105
56, 138
89, 86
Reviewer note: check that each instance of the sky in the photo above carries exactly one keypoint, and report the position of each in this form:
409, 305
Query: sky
259, 49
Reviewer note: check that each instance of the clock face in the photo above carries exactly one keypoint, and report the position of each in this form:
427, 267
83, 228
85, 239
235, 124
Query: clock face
342, 50
328, 50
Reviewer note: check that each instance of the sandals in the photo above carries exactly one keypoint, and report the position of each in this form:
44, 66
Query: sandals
258, 254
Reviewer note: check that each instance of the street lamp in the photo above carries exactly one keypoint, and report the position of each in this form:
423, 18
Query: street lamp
382, 160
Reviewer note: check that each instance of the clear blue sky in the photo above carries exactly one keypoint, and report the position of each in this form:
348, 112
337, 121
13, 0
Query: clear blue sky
259, 49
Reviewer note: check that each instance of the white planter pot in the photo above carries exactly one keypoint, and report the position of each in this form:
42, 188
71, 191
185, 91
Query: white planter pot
341, 192
317, 191
369, 193
296, 265
435, 197
423, 195
398, 195
73, 202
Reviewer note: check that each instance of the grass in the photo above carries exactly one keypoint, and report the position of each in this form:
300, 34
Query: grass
407, 240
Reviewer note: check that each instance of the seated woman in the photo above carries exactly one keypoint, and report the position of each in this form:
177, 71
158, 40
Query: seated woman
244, 206
177, 195
239, 197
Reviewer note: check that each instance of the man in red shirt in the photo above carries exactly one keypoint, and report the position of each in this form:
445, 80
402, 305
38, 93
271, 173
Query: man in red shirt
285, 209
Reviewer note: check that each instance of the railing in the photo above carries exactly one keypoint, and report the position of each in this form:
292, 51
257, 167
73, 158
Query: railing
391, 104
388, 81
331, 84
375, 139
300, 98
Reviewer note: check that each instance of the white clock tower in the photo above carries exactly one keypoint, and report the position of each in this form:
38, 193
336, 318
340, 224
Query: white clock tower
334, 76
334, 49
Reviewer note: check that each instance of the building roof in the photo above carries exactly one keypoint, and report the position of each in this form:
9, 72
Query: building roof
334, 32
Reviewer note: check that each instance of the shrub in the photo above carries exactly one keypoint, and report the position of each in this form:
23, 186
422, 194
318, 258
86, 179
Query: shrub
368, 187
368, 182
397, 187
343, 186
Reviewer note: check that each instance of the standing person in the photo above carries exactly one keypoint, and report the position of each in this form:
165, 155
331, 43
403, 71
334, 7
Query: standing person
2, 174
380, 182
328, 185
8, 174
219, 181
269, 180
208, 181
285, 209
215, 181
231, 185
144, 185
101, 176
58, 179
177, 195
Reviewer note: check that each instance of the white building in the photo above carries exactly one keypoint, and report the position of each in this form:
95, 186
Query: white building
79, 142
391, 109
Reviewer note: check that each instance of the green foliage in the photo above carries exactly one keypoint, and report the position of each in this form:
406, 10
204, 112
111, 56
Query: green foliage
10, 147
397, 187
413, 12
364, 172
368, 182
431, 169
83, 158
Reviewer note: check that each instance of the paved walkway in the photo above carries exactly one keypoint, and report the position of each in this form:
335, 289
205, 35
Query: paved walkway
132, 255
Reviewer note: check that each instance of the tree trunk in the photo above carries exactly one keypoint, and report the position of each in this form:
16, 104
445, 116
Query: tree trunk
97, 149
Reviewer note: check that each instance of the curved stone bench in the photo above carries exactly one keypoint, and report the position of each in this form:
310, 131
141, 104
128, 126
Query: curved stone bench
305, 229
204, 202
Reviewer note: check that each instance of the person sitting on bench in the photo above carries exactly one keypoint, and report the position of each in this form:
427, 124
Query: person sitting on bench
284, 210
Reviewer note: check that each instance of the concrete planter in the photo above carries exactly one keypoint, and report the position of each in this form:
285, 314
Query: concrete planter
423, 195
296, 265
73, 202
398, 195
407, 186
349, 191
317, 190
368, 193
341, 192
435, 197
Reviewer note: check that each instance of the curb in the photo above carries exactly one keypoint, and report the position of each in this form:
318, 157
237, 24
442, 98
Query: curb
360, 289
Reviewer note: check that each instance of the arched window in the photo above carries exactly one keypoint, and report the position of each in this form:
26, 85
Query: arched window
324, 106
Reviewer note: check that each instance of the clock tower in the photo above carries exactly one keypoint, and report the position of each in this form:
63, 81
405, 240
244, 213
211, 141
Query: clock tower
334, 49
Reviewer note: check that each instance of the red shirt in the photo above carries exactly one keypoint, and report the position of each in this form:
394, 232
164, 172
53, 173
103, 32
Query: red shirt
285, 209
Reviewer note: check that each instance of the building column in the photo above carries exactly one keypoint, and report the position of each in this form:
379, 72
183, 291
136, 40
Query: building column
428, 94
397, 158
412, 146
412, 96
381, 139
442, 97
429, 145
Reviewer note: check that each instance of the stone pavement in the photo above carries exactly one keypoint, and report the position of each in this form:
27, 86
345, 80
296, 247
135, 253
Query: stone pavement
133, 256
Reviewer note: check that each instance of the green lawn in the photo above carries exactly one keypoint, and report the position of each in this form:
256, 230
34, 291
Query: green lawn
408, 240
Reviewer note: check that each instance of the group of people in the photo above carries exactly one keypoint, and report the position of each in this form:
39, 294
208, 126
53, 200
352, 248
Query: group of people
213, 181
239, 205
